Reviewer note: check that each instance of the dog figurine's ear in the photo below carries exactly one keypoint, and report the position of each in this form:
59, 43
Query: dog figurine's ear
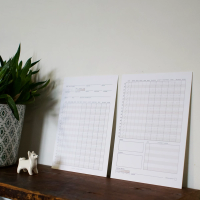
29, 153
33, 152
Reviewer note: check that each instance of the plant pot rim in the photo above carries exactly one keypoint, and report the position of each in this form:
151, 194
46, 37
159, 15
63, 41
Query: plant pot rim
16, 104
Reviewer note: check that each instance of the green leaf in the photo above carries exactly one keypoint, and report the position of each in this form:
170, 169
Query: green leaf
7, 75
3, 96
35, 72
47, 82
30, 72
25, 69
3, 87
13, 107
17, 86
14, 62
11, 104
34, 85
16, 56
19, 67
24, 90
27, 79
1, 61
4, 70
5, 82
32, 64
33, 92
26, 96
10, 82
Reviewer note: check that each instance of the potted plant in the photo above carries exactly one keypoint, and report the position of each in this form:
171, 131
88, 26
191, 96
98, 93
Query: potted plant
17, 89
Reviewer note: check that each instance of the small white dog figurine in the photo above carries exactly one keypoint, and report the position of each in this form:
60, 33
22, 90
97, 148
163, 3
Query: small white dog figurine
30, 164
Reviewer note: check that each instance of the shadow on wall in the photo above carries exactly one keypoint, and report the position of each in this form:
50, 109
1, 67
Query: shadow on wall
185, 173
112, 137
35, 116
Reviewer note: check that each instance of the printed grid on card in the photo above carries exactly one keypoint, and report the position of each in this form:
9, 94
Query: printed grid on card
151, 128
82, 134
153, 110
85, 124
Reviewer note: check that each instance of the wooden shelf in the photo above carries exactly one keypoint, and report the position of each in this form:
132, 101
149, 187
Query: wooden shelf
51, 184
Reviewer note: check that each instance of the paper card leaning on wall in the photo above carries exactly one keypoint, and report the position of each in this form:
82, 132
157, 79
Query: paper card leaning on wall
151, 129
85, 124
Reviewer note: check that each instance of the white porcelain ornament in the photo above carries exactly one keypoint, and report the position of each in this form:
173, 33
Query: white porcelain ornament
29, 165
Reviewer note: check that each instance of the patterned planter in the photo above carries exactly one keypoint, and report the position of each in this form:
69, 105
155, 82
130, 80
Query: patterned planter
10, 134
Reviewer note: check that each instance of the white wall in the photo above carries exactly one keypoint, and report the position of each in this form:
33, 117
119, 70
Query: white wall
90, 37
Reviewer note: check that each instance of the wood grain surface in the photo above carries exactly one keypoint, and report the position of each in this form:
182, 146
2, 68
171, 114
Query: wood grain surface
52, 184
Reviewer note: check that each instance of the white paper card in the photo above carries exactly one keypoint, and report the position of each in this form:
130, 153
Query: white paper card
151, 129
85, 124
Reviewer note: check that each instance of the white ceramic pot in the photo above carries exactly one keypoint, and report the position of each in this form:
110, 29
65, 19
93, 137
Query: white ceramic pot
10, 134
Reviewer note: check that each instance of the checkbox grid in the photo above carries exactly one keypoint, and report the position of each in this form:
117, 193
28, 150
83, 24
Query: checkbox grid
82, 134
153, 110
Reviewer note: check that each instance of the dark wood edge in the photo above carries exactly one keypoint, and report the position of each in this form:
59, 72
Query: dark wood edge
194, 195
16, 193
